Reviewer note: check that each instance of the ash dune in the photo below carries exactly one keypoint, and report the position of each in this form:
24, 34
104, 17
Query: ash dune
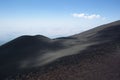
91, 55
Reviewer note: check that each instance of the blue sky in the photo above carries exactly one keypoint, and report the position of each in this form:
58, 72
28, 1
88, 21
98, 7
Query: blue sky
54, 18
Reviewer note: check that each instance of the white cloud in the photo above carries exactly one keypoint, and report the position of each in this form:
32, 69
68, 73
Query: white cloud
86, 16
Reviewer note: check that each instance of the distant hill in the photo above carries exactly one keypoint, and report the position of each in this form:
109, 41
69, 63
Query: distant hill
91, 55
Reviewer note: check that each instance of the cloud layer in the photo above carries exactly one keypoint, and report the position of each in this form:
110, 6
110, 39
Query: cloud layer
86, 16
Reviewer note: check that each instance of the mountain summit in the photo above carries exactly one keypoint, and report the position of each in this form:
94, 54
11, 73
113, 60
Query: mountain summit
91, 55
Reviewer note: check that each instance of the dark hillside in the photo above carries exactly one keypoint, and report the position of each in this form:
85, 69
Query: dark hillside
91, 55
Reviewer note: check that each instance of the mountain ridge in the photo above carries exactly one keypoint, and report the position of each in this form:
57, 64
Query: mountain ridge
89, 54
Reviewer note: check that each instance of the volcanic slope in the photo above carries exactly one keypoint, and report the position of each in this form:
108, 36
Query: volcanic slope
91, 55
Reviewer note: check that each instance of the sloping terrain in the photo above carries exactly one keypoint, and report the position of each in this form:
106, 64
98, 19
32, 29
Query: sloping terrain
91, 55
